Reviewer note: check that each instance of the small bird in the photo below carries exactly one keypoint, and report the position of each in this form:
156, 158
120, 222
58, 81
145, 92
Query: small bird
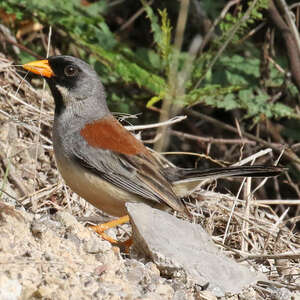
102, 161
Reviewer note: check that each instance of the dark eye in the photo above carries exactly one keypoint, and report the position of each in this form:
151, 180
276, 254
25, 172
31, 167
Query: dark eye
71, 71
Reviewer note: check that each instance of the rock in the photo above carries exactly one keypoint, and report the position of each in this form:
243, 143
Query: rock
66, 219
6, 210
281, 294
249, 294
65, 260
147, 277
165, 291
182, 295
75, 230
206, 295
37, 228
10, 289
9, 195
95, 245
296, 296
186, 250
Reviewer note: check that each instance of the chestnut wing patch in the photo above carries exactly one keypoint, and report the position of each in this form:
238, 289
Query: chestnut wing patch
129, 165
109, 134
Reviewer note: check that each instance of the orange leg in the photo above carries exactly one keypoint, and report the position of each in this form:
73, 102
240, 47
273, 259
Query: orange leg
102, 227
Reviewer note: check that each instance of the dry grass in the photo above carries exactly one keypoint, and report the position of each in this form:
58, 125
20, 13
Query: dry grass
251, 231
247, 229
29, 175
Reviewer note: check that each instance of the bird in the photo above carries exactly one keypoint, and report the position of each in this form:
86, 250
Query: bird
102, 161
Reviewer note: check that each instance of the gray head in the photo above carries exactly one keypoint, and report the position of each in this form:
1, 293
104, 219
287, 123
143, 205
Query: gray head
74, 81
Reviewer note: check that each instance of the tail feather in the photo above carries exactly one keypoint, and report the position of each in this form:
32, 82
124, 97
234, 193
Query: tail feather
241, 171
186, 180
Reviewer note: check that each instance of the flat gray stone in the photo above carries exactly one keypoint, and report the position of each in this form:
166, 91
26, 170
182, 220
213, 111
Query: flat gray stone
182, 249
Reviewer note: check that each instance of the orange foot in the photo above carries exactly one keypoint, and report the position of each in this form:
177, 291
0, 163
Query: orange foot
102, 227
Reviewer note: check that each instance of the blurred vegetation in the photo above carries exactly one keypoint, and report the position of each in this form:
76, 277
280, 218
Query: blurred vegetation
240, 71
233, 83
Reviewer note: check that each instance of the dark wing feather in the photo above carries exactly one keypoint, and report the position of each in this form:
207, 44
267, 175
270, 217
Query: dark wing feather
140, 174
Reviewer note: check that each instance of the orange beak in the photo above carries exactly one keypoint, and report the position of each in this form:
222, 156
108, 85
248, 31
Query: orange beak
39, 67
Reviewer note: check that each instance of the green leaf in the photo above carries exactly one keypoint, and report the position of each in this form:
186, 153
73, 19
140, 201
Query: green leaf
153, 101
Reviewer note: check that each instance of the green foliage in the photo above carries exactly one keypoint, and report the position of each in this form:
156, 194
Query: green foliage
161, 33
231, 20
149, 59
213, 95
213, 8
233, 83
86, 27
129, 71
25, 57
164, 45
83, 21
256, 103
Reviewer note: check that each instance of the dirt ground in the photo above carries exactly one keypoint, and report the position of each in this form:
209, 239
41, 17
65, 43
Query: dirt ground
45, 253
